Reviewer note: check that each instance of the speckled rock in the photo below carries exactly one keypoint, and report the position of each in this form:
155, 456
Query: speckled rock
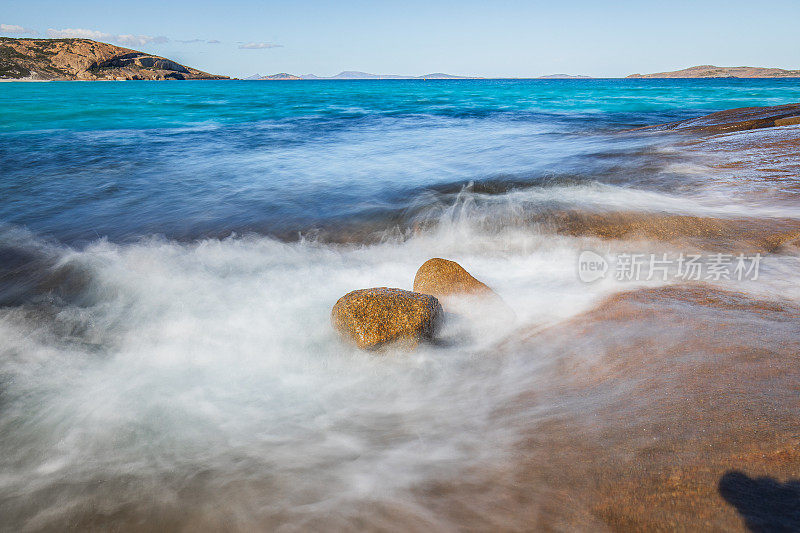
375, 317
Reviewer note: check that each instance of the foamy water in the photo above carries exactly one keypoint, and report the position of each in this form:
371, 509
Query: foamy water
219, 357
212, 368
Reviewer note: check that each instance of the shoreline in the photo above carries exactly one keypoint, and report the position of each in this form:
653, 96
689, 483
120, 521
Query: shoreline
708, 445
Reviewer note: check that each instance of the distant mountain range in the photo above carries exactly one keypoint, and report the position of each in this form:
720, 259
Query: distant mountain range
357, 75
701, 71
711, 71
564, 77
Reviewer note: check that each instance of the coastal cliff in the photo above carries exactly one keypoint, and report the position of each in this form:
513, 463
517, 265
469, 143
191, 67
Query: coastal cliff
84, 59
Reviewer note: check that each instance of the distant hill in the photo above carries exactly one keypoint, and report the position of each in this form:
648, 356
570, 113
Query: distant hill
280, 76
564, 77
710, 71
84, 59
357, 75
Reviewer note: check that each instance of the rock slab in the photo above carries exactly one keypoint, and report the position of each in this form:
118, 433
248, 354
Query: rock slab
740, 119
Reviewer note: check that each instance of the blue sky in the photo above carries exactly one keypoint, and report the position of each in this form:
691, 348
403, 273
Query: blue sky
499, 38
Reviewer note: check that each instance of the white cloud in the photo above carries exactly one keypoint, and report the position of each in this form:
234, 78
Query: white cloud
78, 32
13, 28
213, 41
140, 40
125, 39
259, 46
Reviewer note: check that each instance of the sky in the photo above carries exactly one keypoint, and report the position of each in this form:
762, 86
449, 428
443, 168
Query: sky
501, 38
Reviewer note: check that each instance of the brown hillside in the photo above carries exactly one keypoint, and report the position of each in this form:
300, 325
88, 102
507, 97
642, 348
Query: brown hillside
84, 59
710, 71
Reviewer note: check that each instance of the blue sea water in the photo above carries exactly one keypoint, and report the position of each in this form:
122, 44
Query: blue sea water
80, 161
170, 253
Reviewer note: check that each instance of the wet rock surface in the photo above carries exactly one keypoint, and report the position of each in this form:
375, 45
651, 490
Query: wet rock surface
666, 397
372, 318
743, 118
443, 278
735, 234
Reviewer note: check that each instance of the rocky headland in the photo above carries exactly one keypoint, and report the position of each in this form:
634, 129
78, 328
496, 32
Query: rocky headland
84, 59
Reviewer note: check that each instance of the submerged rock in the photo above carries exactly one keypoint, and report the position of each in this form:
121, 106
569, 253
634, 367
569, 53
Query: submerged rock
461, 294
451, 283
443, 278
372, 318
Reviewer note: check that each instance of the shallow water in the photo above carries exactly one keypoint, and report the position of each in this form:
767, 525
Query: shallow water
170, 253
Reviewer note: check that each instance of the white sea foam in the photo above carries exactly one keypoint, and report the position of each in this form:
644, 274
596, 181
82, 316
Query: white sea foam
212, 367
219, 356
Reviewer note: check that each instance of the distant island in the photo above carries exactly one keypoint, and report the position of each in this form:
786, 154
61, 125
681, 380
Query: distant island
711, 71
357, 75
564, 77
279, 76
85, 59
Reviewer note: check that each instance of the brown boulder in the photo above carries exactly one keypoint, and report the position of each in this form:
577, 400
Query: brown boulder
442, 278
371, 318
460, 293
